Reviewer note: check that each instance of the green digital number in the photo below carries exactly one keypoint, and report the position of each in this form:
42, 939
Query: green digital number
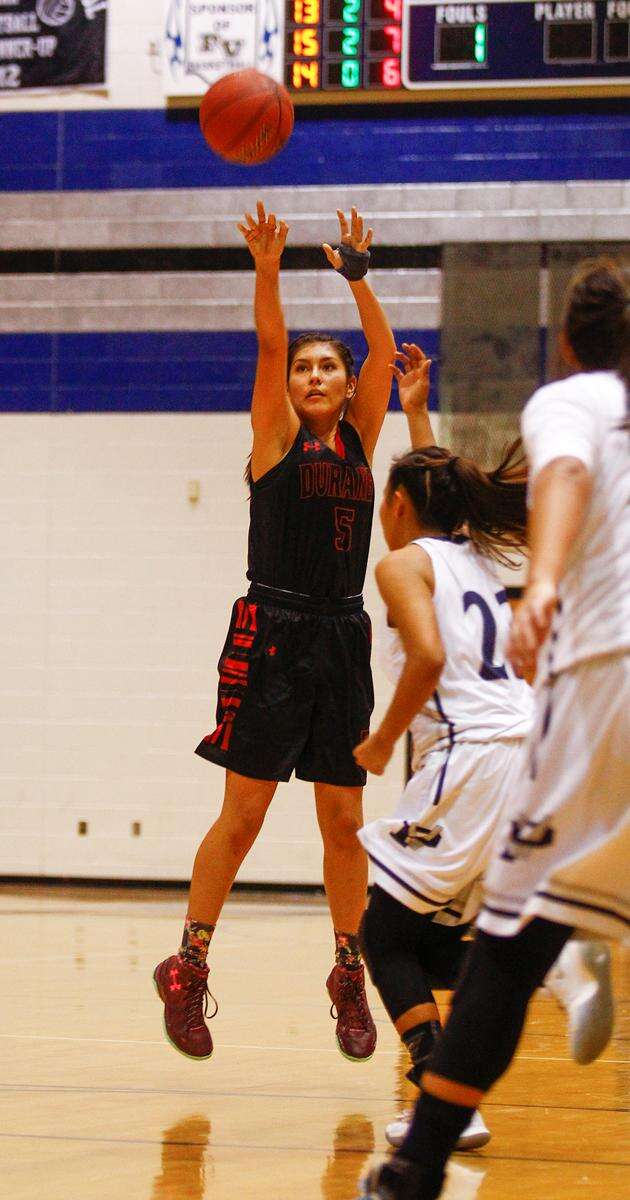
350, 41
350, 73
352, 11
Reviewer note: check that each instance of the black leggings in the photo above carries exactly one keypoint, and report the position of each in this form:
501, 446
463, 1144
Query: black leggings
407, 953
479, 1041
499, 978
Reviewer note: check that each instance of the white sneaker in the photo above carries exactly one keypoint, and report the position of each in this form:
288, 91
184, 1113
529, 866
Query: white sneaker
580, 982
475, 1135
461, 1183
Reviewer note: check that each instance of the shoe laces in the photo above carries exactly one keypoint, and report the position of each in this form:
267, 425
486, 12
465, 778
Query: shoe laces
197, 1003
351, 996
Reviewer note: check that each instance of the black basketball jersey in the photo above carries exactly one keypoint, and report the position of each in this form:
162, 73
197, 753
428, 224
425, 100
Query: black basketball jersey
311, 518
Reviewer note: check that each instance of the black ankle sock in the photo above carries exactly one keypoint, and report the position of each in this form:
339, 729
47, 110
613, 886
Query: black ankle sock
409, 1181
347, 951
420, 1040
435, 1129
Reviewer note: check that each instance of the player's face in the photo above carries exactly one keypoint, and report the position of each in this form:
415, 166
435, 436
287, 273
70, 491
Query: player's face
398, 518
318, 383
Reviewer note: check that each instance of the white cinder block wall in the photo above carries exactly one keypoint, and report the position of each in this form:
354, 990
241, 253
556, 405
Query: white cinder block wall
115, 605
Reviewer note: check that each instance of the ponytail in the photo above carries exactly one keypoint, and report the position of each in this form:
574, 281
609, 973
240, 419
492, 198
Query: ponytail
452, 494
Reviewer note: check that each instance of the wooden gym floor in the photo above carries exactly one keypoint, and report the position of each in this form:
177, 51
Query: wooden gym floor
97, 1106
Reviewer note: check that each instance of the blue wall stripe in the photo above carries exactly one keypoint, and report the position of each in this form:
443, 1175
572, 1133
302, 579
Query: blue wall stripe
146, 372
140, 148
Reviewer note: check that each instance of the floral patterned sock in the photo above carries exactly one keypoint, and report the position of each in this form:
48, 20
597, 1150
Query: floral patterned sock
196, 942
347, 951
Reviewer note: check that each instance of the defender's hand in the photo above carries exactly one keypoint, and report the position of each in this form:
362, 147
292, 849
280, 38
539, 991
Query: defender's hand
413, 378
374, 753
530, 627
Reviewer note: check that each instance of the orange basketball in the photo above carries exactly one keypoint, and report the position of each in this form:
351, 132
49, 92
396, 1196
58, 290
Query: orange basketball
246, 117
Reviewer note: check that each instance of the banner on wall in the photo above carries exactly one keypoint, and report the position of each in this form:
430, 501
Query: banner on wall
206, 39
49, 44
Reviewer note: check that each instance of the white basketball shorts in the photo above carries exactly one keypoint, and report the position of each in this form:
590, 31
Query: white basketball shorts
431, 854
564, 850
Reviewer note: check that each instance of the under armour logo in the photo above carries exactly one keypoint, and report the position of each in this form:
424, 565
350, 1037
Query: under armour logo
526, 836
174, 978
415, 835
311, 446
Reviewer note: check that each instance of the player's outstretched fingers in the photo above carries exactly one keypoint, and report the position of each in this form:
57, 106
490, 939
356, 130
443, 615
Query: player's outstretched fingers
367, 241
282, 232
356, 225
343, 225
260, 209
333, 256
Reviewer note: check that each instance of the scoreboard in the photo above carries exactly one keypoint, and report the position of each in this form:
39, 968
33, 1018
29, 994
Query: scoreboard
332, 51
343, 45
402, 49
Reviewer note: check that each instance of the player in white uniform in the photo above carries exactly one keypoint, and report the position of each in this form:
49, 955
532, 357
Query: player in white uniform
468, 714
562, 859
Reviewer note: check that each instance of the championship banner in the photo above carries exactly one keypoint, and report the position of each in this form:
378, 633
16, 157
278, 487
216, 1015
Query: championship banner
206, 39
47, 44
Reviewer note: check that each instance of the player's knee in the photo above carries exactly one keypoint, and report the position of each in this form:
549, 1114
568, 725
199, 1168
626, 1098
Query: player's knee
340, 830
243, 827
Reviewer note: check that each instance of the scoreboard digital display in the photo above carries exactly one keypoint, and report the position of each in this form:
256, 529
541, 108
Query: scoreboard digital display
399, 49
345, 45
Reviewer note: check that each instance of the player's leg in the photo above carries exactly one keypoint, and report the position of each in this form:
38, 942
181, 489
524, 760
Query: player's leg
181, 980
475, 1048
340, 816
225, 846
407, 955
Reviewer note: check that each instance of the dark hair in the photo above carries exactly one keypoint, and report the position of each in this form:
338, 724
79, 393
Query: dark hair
449, 493
309, 339
596, 318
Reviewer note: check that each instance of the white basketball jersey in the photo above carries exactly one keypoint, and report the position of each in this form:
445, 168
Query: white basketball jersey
479, 697
580, 417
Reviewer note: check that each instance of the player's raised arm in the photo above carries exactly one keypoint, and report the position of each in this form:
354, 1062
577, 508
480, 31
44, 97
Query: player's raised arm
274, 421
405, 580
368, 406
413, 391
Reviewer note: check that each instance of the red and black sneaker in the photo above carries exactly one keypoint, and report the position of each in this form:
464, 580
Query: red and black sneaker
356, 1031
184, 992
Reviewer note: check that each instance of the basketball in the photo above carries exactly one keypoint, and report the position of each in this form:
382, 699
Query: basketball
246, 117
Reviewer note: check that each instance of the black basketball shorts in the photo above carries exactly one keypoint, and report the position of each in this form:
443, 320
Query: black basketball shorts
295, 690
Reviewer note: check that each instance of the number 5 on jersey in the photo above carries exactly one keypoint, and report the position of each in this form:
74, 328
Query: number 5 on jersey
344, 518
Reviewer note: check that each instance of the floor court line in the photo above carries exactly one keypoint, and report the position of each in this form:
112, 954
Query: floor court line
275, 1149
44, 1037
43, 1088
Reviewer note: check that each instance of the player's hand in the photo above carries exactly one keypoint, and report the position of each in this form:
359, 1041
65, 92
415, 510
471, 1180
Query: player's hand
351, 235
374, 753
530, 627
413, 378
265, 236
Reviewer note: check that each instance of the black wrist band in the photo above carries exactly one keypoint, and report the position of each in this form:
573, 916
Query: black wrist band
355, 263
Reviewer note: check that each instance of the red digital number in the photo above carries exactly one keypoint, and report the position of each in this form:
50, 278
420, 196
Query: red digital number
394, 8
390, 76
394, 33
